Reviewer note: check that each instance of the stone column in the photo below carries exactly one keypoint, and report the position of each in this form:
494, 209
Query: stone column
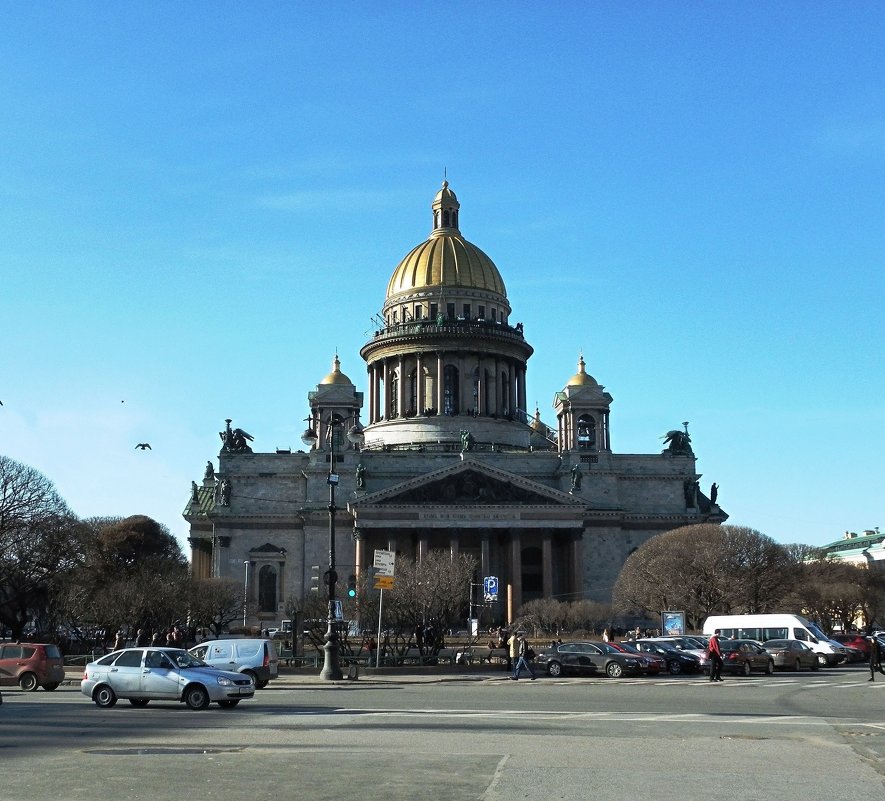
419, 380
547, 565
521, 385
401, 389
453, 546
371, 372
385, 411
423, 547
485, 562
440, 368
577, 588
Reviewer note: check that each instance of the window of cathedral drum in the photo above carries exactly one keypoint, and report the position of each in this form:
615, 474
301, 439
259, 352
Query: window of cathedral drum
586, 432
446, 218
267, 589
450, 311
466, 311
393, 405
494, 315
450, 390
481, 312
412, 402
434, 310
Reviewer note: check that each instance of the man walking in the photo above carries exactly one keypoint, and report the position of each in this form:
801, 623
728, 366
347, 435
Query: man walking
875, 658
715, 657
522, 661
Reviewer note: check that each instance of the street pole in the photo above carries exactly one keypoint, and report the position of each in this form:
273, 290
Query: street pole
245, 591
331, 663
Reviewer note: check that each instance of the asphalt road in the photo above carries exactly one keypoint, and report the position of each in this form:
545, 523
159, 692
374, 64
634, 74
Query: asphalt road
818, 736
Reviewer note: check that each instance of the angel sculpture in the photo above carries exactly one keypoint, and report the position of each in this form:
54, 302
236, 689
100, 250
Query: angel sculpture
234, 440
678, 443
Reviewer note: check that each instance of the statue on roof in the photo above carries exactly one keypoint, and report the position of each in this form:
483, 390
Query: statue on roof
678, 443
223, 491
360, 476
234, 440
467, 441
209, 473
577, 475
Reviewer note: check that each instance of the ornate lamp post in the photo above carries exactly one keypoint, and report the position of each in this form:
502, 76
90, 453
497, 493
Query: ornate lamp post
331, 661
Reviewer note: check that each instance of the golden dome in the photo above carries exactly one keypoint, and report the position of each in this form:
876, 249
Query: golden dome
445, 259
582, 378
336, 376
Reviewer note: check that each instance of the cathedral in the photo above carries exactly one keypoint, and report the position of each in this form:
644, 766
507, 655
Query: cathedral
440, 452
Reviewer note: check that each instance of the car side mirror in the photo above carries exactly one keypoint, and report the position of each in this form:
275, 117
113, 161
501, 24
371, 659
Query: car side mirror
813, 638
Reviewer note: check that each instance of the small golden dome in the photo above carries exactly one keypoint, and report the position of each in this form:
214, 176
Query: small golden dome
536, 424
446, 259
582, 377
336, 376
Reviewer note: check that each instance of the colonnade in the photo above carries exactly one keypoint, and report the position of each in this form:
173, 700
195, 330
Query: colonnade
491, 387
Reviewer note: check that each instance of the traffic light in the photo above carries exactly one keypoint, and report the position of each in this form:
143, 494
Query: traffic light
351, 586
315, 578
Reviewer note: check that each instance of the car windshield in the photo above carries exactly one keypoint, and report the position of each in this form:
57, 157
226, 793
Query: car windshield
183, 659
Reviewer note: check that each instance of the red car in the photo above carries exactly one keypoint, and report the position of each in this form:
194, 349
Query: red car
854, 641
653, 664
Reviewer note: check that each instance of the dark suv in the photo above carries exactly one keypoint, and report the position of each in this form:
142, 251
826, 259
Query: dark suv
31, 665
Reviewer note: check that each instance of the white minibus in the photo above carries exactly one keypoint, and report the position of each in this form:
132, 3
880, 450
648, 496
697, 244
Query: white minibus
775, 627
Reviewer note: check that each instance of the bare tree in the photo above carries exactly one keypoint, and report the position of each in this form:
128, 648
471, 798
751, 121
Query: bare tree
215, 603
38, 543
430, 595
702, 570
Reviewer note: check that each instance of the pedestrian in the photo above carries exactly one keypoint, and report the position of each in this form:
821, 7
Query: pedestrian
512, 650
141, 639
606, 635
875, 658
119, 641
155, 639
524, 653
715, 655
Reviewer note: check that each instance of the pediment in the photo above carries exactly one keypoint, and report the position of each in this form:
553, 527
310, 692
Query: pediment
267, 548
469, 483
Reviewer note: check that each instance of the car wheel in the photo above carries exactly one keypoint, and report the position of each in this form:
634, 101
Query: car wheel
197, 697
260, 685
674, 666
252, 675
229, 704
104, 696
747, 668
139, 701
28, 682
822, 660
554, 669
769, 668
53, 685
614, 670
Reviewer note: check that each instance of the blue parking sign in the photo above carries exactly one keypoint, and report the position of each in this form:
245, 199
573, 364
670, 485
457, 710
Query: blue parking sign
490, 588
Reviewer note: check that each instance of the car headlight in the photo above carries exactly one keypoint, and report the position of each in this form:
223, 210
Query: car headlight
224, 681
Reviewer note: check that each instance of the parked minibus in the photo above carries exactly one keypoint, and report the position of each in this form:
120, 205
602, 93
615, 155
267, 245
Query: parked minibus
776, 627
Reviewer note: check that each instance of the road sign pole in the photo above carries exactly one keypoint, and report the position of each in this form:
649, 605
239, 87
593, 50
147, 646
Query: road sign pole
378, 641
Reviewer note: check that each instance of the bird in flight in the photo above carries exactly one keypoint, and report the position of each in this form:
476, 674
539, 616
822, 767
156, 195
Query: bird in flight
143, 446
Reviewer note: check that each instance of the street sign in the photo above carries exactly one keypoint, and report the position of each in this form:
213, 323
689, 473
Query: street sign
383, 582
490, 588
384, 563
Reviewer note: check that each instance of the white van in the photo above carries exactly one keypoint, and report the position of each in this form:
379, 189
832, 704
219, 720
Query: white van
776, 627
257, 658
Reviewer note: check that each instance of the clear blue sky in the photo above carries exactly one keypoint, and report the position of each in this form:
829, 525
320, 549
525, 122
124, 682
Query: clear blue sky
201, 202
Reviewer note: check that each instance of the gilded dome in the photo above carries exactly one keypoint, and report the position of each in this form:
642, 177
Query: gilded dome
582, 378
445, 259
336, 376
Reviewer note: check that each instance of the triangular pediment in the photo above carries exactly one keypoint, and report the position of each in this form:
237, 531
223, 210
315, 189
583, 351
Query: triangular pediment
468, 483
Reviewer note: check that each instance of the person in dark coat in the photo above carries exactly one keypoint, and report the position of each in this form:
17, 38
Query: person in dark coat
875, 658
715, 653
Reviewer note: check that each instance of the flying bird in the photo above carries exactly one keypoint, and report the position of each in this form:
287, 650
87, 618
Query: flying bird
143, 446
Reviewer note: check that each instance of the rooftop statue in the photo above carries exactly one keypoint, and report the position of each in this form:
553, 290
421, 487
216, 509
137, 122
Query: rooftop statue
678, 444
234, 441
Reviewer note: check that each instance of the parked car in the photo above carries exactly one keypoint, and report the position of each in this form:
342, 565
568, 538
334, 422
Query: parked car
255, 657
654, 664
594, 658
687, 644
141, 675
745, 656
858, 641
791, 654
31, 665
677, 661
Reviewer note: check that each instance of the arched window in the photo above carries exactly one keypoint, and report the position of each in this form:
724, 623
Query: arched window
267, 589
450, 390
505, 394
446, 218
586, 433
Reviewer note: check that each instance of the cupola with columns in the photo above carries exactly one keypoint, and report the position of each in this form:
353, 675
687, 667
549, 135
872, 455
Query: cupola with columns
446, 358
582, 413
334, 406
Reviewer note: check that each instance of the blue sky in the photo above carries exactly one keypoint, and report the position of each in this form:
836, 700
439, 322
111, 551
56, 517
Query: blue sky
200, 203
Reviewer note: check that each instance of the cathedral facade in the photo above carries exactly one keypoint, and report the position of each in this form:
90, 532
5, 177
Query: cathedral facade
441, 453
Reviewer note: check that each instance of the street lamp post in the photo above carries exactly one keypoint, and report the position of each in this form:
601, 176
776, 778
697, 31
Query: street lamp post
245, 590
331, 660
